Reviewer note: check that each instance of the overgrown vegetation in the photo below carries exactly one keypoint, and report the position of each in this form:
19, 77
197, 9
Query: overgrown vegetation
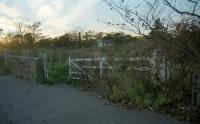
179, 40
4, 70
57, 73
125, 87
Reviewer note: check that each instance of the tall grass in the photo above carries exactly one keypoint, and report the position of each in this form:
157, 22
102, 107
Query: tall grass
122, 87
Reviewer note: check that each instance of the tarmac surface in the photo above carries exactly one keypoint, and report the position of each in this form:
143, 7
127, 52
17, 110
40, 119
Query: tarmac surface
25, 102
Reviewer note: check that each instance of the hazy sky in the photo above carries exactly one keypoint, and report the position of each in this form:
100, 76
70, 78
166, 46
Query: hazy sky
59, 16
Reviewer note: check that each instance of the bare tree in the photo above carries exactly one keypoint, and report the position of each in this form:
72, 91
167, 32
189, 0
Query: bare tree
77, 33
35, 31
25, 27
192, 12
22, 29
134, 20
141, 22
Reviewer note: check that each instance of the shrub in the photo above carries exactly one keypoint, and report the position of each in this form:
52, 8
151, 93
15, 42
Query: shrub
118, 95
115, 86
57, 73
122, 86
141, 93
4, 70
148, 100
160, 101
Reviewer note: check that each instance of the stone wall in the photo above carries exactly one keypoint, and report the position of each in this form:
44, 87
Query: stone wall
28, 68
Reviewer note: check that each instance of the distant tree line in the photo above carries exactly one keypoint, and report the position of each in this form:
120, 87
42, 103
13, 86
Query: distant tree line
28, 36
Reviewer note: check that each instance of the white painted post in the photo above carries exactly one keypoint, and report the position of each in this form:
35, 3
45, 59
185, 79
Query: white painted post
160, 67
101, 68
102, 63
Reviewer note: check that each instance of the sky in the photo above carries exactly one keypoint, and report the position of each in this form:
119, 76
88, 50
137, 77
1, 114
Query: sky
56, 16
59, 16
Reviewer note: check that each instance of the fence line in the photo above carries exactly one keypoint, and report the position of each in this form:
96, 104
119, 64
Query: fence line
103, 64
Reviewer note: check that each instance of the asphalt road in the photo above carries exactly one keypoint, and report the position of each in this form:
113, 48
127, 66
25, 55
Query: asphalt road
24, 102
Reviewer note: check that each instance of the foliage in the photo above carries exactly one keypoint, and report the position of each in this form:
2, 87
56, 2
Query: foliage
4, 69
118, 94
57, 73
120, 87
45, 43
158, 30
119, 38
160, 101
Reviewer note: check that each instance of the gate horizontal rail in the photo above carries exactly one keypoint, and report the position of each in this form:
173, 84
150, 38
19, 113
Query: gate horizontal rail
103, 64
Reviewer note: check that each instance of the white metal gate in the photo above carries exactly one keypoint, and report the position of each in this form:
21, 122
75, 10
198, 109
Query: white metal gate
78, 71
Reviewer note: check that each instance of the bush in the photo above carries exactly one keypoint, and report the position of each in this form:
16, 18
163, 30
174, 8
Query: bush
160, 101
124, 87
141, 93
57, 73
148, 100
115, 87
118, 95
4, 70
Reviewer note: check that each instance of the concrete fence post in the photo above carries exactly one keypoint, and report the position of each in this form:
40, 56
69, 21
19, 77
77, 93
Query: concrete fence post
44, 58
160, 67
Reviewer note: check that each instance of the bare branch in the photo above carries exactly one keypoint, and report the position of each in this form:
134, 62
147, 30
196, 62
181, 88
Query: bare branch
184, 12
134, 21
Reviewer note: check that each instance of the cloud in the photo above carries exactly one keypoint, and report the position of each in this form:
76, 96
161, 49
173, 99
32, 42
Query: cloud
9, 16
46, 8
46, 11
9, 11
80, 13
57, 16
6, 24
